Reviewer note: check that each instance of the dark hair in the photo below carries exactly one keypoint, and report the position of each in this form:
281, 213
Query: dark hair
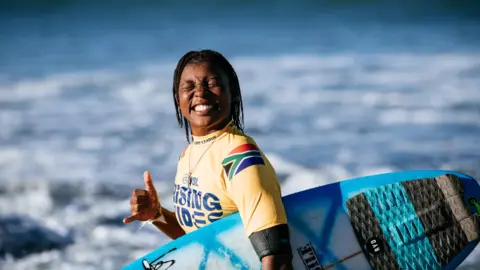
218, 60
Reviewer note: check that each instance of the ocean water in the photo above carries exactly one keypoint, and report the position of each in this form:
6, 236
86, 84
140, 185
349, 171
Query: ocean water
332, 90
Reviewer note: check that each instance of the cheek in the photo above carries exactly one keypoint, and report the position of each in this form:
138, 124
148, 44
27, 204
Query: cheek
227, 104
226, 98
183, 101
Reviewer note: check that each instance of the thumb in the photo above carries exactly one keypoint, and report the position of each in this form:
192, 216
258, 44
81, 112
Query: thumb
130, 218
147, 178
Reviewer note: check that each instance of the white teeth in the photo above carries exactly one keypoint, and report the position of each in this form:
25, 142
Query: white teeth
202, 108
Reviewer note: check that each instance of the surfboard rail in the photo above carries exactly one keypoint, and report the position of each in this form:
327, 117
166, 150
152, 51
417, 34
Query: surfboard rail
399, 220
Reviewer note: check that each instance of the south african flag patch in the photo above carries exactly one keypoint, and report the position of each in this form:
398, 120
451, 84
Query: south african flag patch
241, 158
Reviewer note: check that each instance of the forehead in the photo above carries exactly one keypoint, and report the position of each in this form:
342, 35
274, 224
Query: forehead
200, 71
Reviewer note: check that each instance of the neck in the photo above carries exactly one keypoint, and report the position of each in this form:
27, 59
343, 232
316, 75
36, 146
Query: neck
205, 131
202, 135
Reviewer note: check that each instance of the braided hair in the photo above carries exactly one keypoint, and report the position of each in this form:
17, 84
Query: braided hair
218, 60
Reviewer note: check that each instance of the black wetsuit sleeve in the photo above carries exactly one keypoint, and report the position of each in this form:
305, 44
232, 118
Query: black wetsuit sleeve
272, 241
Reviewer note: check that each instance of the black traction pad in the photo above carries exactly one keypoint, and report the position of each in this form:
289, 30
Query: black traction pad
417, 224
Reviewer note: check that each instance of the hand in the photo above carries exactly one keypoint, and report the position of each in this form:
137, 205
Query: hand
144, 204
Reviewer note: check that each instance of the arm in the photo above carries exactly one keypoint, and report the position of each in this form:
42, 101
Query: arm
280, 262
272, 246
252, 184
145, 206
169, 224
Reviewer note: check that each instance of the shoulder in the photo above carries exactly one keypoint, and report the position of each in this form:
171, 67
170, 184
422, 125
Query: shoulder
238, 143
183, 152
241, 152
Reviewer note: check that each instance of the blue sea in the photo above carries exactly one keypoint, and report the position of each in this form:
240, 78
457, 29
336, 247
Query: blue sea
332, 90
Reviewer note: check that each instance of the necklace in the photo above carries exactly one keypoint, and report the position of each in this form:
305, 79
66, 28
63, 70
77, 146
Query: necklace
187, 177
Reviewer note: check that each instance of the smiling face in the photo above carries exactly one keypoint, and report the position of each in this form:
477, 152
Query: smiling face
204, 98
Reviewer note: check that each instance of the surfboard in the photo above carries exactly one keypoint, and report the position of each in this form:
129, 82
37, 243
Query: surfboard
425, 219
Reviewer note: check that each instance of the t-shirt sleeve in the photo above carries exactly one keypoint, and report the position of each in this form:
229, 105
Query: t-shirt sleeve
252, 184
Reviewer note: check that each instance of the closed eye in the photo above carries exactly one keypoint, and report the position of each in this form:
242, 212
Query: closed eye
213, 84
187, 87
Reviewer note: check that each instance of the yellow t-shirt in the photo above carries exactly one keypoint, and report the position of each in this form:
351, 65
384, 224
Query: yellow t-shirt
229, 174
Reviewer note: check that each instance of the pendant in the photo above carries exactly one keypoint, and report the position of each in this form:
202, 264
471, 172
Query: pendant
186, 178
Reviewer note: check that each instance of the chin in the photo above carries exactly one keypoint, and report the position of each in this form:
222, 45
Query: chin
206, 121
202, 121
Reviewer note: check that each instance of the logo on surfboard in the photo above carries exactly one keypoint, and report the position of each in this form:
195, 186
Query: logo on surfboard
474, 201
157, 264
375, 245
309, 257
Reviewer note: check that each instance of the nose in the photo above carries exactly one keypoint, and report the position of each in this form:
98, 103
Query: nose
201, 90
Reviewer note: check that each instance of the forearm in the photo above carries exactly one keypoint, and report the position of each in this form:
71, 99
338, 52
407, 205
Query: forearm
277, 262
170, 227
272, 245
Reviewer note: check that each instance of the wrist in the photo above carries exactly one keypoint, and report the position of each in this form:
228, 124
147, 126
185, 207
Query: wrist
159, 217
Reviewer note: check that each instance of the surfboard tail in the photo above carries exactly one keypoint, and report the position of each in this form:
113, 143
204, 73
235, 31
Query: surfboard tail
414, 224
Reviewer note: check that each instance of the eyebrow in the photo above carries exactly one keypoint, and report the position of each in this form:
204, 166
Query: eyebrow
188, 81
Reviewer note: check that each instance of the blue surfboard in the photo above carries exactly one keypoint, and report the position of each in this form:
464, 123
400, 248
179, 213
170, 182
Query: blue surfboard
425, 219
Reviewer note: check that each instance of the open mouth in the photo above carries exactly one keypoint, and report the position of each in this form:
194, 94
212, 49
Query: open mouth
203, 109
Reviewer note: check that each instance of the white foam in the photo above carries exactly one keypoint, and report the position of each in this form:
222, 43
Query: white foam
89, 143
300, 179
53, 85
333, 111
426, 116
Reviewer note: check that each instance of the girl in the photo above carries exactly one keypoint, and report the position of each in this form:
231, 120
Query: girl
222, 171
